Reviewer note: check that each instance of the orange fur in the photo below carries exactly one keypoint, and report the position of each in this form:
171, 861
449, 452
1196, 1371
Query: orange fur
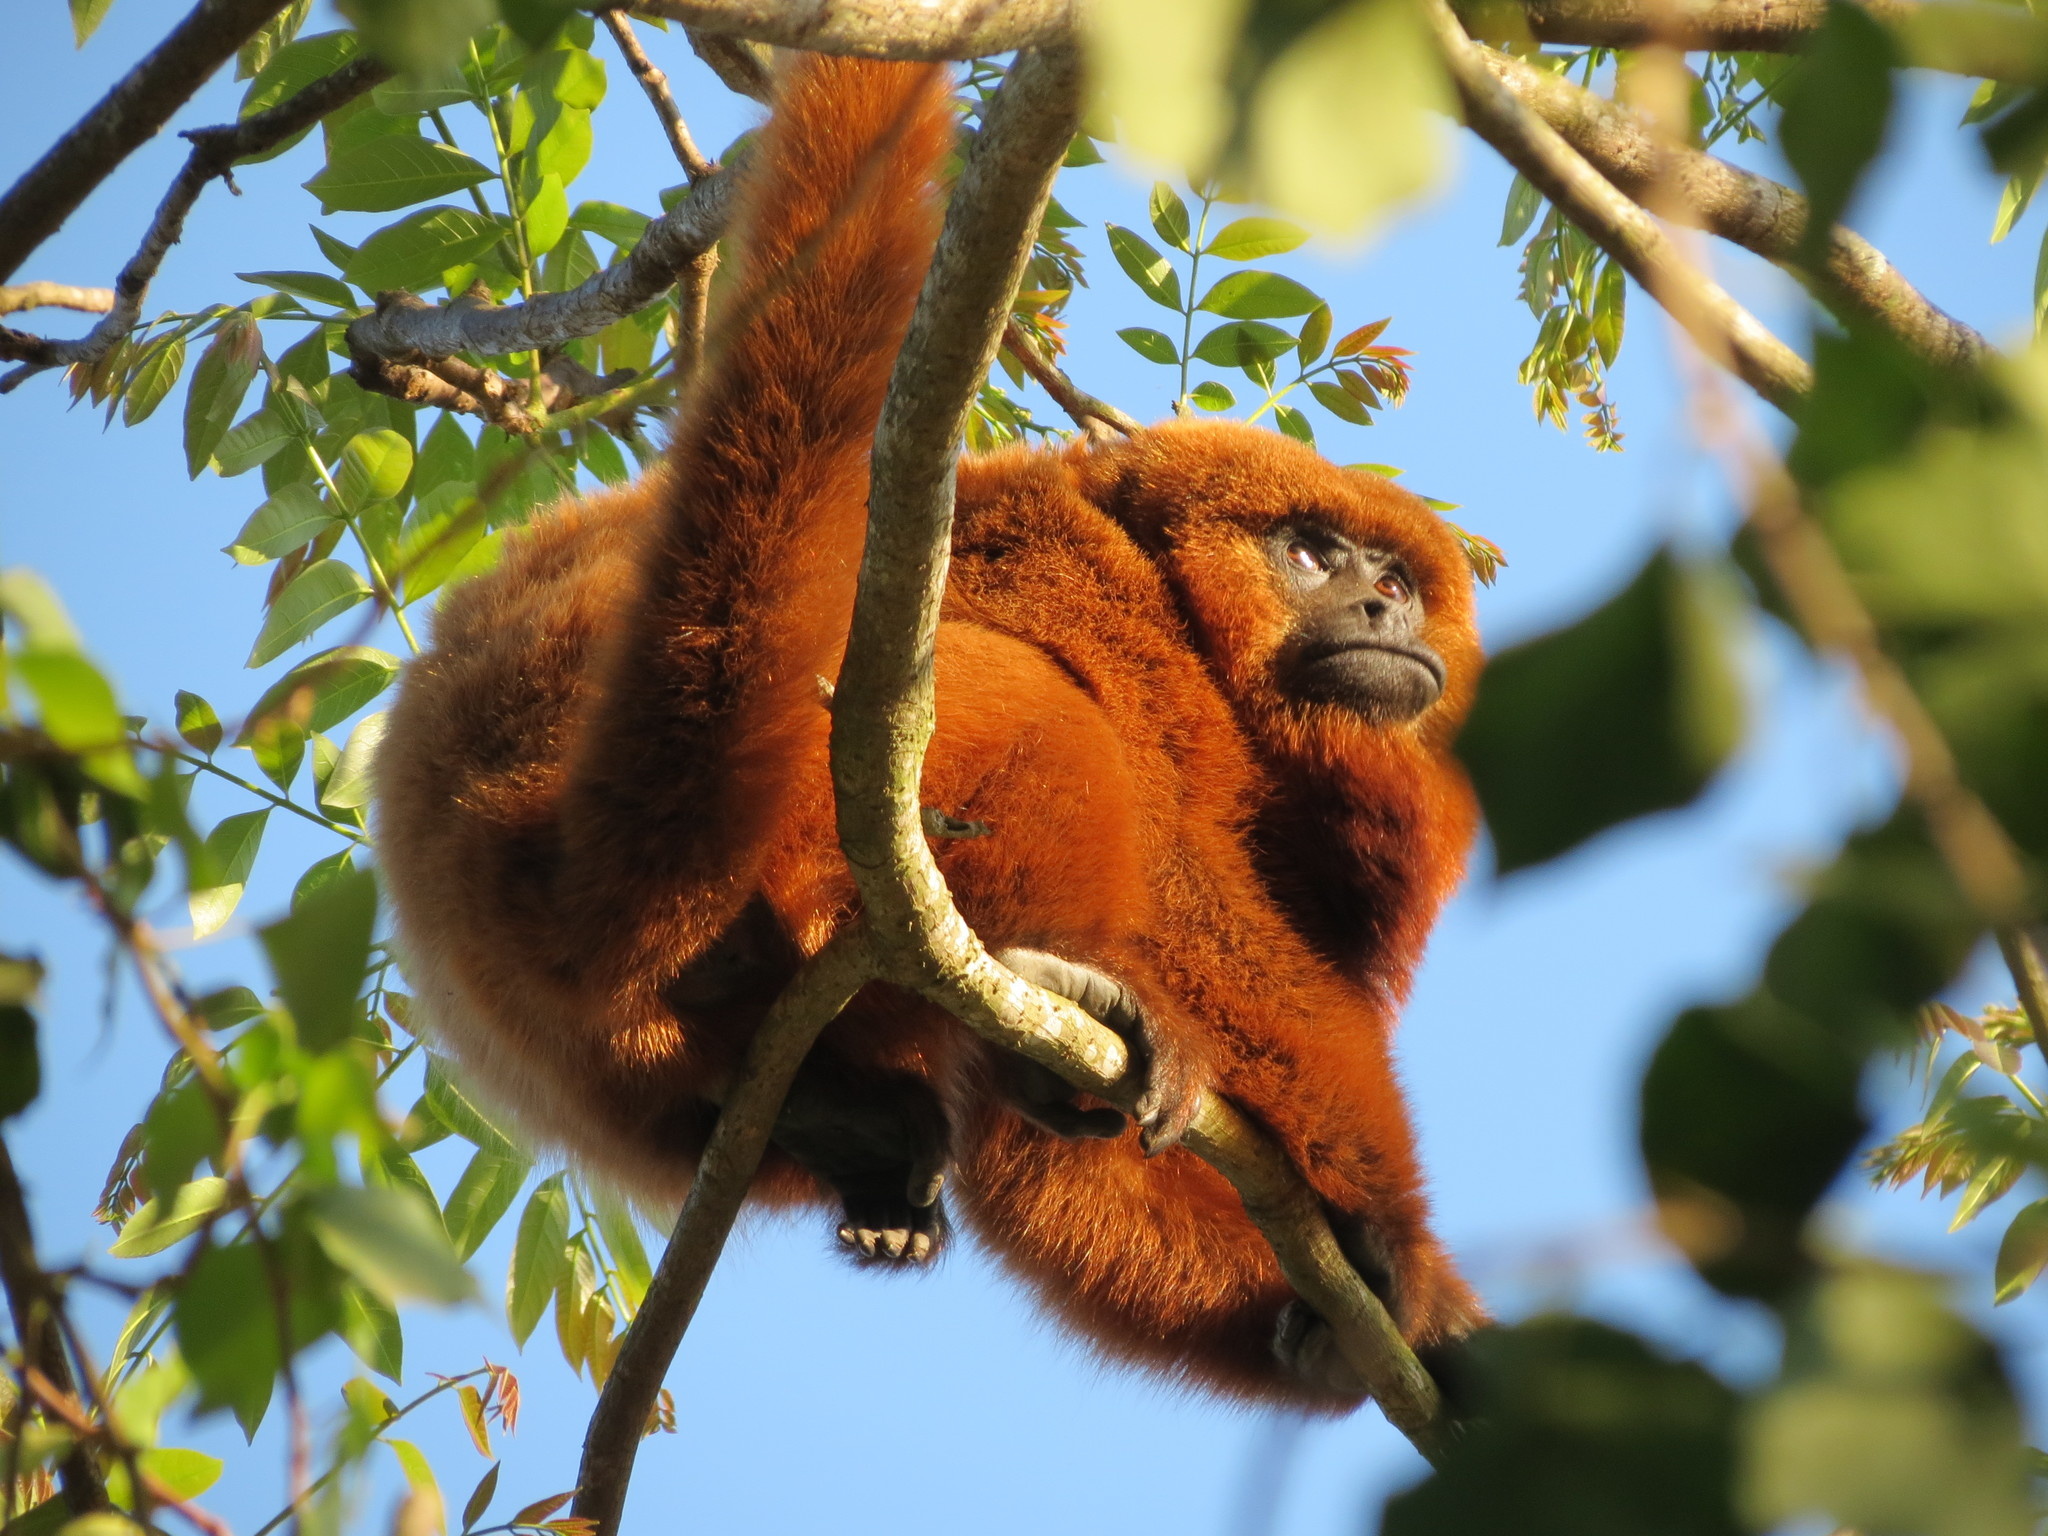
609, 774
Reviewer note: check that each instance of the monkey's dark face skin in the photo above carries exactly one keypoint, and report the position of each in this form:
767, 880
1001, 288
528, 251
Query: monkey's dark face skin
1356, 637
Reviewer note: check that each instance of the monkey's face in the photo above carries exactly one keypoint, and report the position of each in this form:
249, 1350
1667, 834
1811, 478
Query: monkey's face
1355, 638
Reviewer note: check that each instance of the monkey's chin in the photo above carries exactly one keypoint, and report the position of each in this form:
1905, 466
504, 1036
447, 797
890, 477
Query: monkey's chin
1385, 685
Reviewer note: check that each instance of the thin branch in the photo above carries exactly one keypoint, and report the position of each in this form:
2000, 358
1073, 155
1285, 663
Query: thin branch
883, 709
32, 1303
1963, 37
1752, 211
214, 152
880, 29
693, 310
62, 1404
405, 329
93, 301
655, 84
1098, 418
741, 66
1726, 331
123, 120
724, 1173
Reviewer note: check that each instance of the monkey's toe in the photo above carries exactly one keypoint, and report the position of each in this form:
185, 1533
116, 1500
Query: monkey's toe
881, 1226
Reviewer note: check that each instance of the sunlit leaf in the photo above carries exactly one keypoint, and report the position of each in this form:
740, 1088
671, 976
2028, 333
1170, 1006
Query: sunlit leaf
390, 1241
374, 467
324, 690
456, 1110
1153, 346
1169, 216
289, 520
154, 374
540, 1261
230, 855
371, 1328
415, 251
227, 1327
1252, 238
1152, 272
393, 171
481, 1197
322, 591
155, 1226
319, 954
1254, 295
219, 380
350, 786
1241, 342
1211, 396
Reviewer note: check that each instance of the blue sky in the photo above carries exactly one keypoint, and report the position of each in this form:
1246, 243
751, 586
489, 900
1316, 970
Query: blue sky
808, 1393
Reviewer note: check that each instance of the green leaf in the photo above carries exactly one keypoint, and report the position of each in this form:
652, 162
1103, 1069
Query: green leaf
1630, 710
371, 1328
415, 95
319, 955
156, 1226
565, 148
1524, 203
219, 380
21, 1065
334, 250
540, 1257
443, 527
390, 1241
322, 873
289, 520
456, 1110
2023, 1253
394, 171
254, 440
1153, 346
75, 699
297, 65
480, 1498
428, 40
547, 215
1295, 425
481, 1197
153, 375
1258, 295
1169, 216
1250, 239
602, 458
1338, 403
415, 251
573, 77
1315, 335
322, 591
1152, 272
228, 1328
317, 286
198, 723
182, 1127
611, 221
1836, 106
324, 690
622, 1241
186, 1473
1211, 396
350, 786
86, 16
1242, 342
374, 467
230, 855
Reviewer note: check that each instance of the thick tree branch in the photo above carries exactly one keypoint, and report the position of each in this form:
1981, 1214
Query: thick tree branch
1856, 281
724, 1173
214, 152
405, 329
122, 120
1726, 331
1098, 418
879, 29
741, 66
655, 84
882, 717
1964, 37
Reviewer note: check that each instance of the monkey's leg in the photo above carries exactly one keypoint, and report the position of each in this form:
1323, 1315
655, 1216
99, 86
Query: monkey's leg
884, 1144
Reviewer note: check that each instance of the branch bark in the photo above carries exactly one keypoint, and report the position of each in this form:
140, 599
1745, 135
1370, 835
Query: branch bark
92, 301
1724, 330
879, 29
740, 65
882, 717
1964, 37
122, 120
1098, 418
1856, 282
810, 1002
214, 152
655, 84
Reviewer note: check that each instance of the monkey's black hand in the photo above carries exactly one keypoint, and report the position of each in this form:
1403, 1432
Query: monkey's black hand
1172, 1090
884, 1144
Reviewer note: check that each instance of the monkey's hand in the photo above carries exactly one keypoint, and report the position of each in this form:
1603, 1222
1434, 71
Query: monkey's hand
885, 1146
1172, 1086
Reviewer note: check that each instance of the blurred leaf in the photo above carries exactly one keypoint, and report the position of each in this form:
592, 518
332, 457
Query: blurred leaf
420, 39
390, 1241
320, 953
481, 1197
454, 1109
289, 520
393, 171
1250, 239
186, 1473
1630, 710
1152, 272
444, 526
1153, 346
1158, 67
182, 1127
1254, 295
1524, 203
1169, 216
227, 1327
547, 215
572, 77
416, 250
2022, 1253
487, 1485
219, 380
21, 1067
371, 1329
540, 1261
1835, 108
322, 691
1580, 1431
322, 591
156, 1227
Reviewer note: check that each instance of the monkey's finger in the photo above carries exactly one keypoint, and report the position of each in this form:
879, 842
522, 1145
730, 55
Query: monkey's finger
920, 1247
893, 1241
925, 1182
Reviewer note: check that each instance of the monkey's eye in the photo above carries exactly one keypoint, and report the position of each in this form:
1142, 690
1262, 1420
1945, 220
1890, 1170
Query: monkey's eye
1392, 586
1304, 556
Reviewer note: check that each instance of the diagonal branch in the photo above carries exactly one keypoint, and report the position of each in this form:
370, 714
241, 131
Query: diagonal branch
1856, 281
879, 29
1098, 418
740, 65
122, 120
655, 84
1722, 328
92, 301
883, 709
214, 152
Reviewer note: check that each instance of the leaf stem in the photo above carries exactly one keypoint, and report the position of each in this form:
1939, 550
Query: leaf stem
280, 801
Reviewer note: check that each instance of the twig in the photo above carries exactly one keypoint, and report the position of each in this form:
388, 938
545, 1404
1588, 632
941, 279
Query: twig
214, 151
693, 309
1726, 331
741, 66
94, 301
1098, 418
62, 1404
121, 121
32, 1303
1962, 37
655, 84
880, 29
1740, 206
823, 987
883, 709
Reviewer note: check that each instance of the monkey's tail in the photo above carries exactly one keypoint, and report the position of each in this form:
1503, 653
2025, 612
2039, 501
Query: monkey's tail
709, 707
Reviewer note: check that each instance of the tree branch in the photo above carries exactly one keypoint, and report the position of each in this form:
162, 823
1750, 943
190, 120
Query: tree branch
740, 65
655, 84
879, 29
1727, 332
882, 716
1098, 418
93, 301
824, 986
1963, 37
1856, 281
131, 113
214, 152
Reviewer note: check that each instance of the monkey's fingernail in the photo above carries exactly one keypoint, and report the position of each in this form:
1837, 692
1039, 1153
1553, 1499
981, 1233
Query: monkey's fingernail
865, 1239
893, 1242
846, 1236
920, 1247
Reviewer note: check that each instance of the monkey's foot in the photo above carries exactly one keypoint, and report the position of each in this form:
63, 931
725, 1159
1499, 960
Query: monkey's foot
886, 1222
1307, 1351
1172, 1088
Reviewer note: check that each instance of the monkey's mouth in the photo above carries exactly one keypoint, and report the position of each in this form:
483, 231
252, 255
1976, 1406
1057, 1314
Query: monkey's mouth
1384, 682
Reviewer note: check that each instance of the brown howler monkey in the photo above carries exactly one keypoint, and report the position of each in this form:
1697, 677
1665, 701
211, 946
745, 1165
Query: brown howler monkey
1201, 685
